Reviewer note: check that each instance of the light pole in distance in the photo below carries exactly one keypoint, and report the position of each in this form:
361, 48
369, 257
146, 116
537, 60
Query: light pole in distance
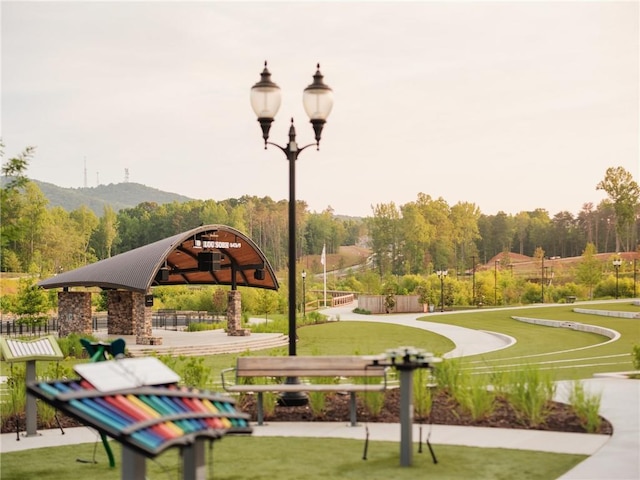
616, 264
495, 282
441, 274
304, 303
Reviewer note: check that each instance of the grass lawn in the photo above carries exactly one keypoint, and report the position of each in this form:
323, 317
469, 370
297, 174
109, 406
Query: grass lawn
569, 353
267, 458
342, 338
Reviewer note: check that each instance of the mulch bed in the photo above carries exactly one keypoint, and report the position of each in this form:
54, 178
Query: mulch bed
445, 411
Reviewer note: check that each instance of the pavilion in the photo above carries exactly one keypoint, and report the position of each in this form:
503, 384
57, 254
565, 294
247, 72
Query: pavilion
206, 255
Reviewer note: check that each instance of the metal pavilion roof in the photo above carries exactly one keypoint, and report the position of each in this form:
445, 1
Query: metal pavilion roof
207, 255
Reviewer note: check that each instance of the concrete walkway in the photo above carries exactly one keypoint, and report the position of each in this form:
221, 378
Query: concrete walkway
610, 458
467, 341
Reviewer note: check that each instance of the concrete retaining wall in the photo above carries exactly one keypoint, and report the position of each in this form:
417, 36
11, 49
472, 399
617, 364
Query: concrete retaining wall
582, 327
608, 313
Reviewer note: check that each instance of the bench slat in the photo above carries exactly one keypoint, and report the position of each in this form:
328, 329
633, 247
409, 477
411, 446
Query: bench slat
318, 366
288, 387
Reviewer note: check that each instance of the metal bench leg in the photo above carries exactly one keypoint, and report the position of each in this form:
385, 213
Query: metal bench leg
353, 412
260, 409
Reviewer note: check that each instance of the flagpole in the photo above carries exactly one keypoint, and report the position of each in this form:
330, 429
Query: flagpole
324, 264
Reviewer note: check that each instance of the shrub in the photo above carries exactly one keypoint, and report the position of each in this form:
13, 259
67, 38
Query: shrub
422, 395
194, 373
70, 345
202, 326
636, 356
477, 399
448, 375
530, 391
586, 407
373, 401
318, 400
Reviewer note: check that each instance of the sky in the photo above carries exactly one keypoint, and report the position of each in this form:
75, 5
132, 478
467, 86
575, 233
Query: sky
511, 106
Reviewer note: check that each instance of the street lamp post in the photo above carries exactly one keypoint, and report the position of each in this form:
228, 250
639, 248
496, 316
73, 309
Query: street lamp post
542, 282
473, 269
304, 297
441, 274
317, 99
616, 264
634, 277
495, 282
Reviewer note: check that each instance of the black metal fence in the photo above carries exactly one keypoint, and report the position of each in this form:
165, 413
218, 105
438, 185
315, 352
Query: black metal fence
15, 328
160, 319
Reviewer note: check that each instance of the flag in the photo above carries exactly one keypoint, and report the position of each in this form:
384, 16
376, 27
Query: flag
323, 257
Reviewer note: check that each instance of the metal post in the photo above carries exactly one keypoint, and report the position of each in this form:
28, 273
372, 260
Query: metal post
292, 398
292, 155
406, 416
616, 264
304, 295
542, 281
193, 461
473, 259
133, 464
31, 407
634, 277
495, 282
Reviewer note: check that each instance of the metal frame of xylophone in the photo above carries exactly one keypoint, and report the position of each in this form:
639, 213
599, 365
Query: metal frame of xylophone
29, 351
149, 420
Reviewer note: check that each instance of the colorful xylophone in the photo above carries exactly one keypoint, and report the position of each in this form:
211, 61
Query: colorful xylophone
148, 419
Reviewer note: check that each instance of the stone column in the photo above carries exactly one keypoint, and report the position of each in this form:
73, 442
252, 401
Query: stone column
142, 317
121, 320
74, 313
128, 315
234, 315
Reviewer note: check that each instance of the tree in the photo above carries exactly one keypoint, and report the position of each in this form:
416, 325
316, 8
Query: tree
14, 169
267, 302
219, 301
384, 230
589, 270
31, 303
12, 202
521, 226
418, 235
105, 235
86, 222
465, 217
539, 256
61, 246
32, 221
624, 192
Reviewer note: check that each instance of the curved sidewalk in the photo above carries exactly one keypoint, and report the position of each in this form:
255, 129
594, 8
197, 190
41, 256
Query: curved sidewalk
467, 341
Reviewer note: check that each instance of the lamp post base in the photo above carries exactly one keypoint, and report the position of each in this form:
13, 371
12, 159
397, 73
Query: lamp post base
293, 399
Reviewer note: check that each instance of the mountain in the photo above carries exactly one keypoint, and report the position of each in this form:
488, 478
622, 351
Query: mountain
118, 196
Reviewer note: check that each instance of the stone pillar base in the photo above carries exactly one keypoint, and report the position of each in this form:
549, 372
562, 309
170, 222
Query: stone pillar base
148, 340
234, 316
240, 332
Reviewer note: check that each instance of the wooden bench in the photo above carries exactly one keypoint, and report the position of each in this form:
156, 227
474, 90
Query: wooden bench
345, 369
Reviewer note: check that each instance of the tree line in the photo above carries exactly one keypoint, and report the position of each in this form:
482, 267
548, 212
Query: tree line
415, 238
428, 234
